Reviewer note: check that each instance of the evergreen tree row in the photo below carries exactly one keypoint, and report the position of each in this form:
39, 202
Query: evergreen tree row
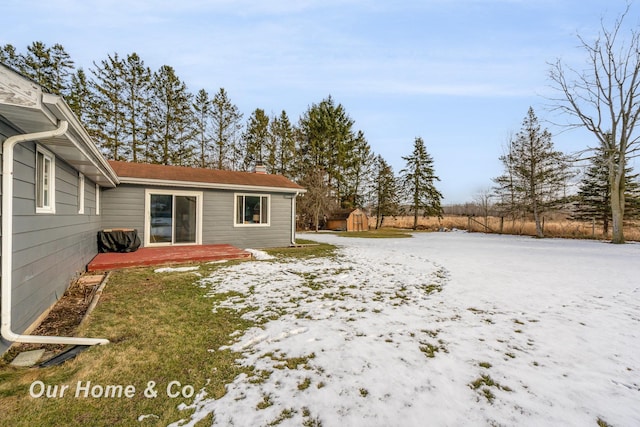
137, 114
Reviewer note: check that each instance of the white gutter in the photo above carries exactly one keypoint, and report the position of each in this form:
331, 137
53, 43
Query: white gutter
7, 244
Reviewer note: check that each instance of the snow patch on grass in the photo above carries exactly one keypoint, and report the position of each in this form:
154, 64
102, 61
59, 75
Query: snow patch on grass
260, 255
455, 328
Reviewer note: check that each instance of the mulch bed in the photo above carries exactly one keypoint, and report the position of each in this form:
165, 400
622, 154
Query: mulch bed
64, 318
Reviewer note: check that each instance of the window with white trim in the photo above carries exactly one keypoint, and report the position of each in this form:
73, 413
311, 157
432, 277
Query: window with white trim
45, 181
97, 199
80, 193
252, 209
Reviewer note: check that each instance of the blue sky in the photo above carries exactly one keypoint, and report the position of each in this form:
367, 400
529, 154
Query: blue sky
461, 74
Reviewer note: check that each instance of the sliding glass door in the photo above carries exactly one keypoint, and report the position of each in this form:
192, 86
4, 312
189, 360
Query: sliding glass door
184, 224
173, 218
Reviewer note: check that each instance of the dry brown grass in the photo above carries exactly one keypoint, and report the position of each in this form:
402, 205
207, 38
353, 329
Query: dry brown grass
552, 228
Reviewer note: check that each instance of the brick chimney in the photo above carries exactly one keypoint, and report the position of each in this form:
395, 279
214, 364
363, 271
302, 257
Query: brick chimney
260, 168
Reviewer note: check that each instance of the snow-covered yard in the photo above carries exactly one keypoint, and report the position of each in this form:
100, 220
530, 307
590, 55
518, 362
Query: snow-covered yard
442, 329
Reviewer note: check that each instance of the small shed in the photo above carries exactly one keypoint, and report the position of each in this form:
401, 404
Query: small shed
348, 220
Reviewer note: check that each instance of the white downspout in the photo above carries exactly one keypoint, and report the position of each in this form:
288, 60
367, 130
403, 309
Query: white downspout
293, 219
7, 243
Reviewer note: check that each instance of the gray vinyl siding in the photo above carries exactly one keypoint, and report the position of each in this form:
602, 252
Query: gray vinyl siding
49, 250
218, 222
123, 207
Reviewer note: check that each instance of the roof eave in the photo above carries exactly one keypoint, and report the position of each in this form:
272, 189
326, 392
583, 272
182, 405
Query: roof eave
29, 110
209, 185
99, 169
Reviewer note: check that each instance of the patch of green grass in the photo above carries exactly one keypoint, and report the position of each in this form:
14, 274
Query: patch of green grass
431, 332
291, 362
364, 392
603, 423
430, 350
431, 288
307, 249
161, 328
483, 384
308, 420
265, 402
284, 415
485, 365
304, 384
260, 377
381, 233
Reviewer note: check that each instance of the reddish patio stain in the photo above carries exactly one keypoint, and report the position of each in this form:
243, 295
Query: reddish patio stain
165, 255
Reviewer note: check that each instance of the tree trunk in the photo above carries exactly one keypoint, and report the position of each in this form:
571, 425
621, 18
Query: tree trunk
616, 181
536, 217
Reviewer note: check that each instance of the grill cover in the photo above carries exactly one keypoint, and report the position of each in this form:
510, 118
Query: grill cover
118, 240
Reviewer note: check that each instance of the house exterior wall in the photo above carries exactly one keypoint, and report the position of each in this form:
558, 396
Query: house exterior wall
123, 207
48, 249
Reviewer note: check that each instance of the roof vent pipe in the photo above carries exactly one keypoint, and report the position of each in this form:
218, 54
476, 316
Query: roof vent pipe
7, 243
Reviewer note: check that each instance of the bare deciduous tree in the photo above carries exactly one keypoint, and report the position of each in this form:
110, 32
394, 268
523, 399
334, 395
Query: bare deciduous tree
604, 99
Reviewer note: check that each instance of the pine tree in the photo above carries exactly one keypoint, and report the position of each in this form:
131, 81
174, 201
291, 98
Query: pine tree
62, 68
593, 200
284, 145
136, 91
508, 200
417, 180
326, 141
357, 171
226, 120
50, 67
172, 118
37, 65
108, 109
202, 115
536, 171
256, 138
385, 195
9, 56
79, 97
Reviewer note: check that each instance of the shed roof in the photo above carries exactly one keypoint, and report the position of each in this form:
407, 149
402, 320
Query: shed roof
142, 173
342, 214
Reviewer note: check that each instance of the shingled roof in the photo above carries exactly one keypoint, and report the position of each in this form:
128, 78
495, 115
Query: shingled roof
171, 175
